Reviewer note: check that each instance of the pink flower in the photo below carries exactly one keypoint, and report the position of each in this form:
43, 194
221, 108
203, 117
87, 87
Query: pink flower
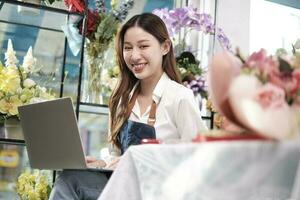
290, 83
270, 96
296, 76
260, 108
265, 64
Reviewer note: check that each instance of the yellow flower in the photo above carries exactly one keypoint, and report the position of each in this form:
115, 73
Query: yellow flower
113, 3
210, 106
218, 120
32, 195
15, 102
10, 80
16, 86
27, 94
12, 71
33, 186
10, 105
116, 71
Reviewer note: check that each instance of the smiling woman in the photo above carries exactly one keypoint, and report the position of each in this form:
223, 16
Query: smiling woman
147, 67
143, 54
148, 103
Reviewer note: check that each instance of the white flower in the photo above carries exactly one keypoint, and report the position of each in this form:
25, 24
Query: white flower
105, 76
10, 55
108, 81
16, 86
42, 89
36, 100
182, 70
113, 83
28, 83
29, 61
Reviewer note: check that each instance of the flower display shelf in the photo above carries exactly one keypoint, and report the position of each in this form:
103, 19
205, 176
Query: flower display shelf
31, 28
30, 22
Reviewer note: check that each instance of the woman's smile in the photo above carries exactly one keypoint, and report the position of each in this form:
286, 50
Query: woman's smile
138, 68
143, 54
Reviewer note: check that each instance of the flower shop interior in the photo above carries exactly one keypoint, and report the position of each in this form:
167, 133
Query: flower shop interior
240, 58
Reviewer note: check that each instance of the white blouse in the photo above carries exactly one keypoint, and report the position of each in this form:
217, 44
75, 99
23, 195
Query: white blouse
177, 114
178, 117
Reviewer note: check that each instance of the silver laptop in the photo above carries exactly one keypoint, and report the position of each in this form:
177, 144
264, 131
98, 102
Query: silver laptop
52, 136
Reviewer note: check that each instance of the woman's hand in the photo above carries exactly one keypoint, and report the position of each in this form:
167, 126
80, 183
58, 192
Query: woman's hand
113, 164
94, 163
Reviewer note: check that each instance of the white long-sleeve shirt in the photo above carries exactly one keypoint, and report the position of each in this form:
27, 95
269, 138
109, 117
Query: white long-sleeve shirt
177, 114
178, 117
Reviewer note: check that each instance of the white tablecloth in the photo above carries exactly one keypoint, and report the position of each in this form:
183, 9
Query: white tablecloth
209, 171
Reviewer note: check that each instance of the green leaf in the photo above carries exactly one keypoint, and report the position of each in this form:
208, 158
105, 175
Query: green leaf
2, 119
284, 66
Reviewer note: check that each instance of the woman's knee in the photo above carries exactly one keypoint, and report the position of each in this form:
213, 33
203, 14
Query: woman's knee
79, 184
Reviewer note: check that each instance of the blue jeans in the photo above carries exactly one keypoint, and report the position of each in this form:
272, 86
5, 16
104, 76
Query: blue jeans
78, 184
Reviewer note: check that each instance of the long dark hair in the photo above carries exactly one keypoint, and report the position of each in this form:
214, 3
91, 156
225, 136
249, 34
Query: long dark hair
120, 98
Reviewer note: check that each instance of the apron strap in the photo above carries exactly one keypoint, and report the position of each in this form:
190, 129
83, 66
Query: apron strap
152, 115
132, 102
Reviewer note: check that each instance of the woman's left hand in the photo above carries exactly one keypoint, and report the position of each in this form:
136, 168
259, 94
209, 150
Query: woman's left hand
93, 162
113, 164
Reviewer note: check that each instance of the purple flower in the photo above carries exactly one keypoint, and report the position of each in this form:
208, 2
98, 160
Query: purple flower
197, 85
189, 17
165, 16
223, 39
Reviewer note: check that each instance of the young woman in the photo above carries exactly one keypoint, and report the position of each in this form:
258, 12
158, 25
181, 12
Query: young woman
149, 102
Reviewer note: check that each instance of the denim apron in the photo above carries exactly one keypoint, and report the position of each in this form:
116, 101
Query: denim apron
131, 132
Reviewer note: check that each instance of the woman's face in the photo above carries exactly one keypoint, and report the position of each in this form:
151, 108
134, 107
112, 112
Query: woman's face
143, 54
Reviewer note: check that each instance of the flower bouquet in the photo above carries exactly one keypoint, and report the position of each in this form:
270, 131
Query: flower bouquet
102, 25
33, 186
259, 94
16, 86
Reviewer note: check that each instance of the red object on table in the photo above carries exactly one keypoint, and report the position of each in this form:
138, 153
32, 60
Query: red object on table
150, 141
204, 138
